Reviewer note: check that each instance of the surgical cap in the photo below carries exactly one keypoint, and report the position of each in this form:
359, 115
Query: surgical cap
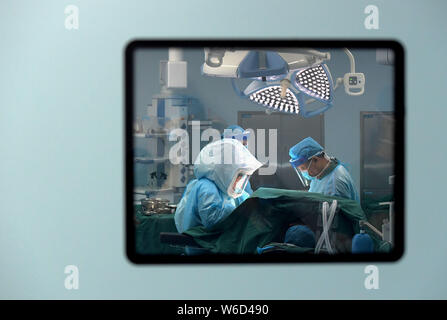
300, 236
235, 127
231, 131
303, 150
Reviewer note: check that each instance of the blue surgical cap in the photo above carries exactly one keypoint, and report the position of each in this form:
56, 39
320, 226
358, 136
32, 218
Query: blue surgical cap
235, 127
304, 150
300, 236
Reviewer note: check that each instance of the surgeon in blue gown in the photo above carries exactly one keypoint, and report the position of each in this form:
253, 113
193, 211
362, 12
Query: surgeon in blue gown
222, 170
242, 135
326, 174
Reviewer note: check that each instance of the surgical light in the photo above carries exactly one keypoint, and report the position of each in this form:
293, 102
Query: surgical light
315, 82
289, 93
286, 80
270, 97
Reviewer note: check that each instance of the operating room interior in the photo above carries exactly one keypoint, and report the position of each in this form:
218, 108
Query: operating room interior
356, 129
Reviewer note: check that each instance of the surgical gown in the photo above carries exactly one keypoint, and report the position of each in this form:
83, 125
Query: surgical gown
205, 201
203, 204
337, 183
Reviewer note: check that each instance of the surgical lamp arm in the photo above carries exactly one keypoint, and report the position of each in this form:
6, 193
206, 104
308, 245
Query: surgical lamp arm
215, 57
312, 52
319, 54
353, 80
322, 55
351, 59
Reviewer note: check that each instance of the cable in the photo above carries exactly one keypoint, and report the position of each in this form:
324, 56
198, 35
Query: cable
327, 222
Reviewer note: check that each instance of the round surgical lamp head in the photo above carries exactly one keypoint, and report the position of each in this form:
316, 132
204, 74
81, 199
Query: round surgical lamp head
269, 95
289, 93
315, 82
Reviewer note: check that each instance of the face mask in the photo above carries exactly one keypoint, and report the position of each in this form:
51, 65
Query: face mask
237, 187
238, 191
305, 173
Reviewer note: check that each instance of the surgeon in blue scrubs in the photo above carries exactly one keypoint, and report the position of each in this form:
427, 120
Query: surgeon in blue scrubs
222, 170
326, 174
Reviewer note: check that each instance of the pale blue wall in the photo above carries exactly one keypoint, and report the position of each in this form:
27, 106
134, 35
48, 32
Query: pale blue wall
342, 122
